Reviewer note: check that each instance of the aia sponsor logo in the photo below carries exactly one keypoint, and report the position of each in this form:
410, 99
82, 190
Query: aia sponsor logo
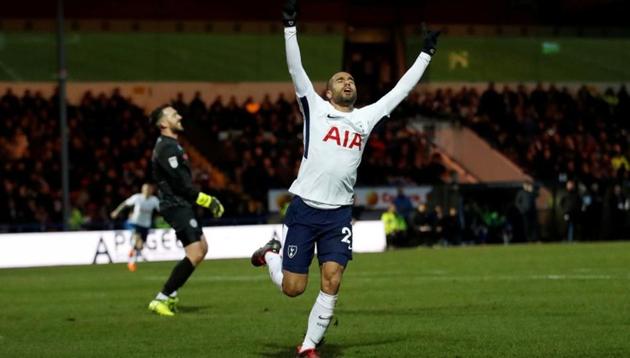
346, 139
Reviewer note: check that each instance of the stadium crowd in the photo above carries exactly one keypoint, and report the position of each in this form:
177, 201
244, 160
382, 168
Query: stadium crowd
575, 143
260, 145
551, 133
109, 150
572, 142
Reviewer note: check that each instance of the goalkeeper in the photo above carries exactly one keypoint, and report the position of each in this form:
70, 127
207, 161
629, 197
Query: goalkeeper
172, 174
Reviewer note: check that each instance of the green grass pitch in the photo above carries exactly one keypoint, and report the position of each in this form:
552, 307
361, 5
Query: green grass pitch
527, 59
252, 57
164, 57
555, 300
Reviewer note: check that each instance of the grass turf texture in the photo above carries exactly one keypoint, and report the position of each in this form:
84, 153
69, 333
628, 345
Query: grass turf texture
251, 57
164, 57
517, 301
528, 59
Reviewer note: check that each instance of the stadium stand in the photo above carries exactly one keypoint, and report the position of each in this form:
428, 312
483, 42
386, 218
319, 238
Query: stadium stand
251, 147
546, 131
251, 143
574, 143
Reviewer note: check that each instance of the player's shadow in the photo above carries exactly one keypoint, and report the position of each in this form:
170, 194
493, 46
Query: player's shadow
274, 351
415, 311
326, 350
192, 309
419, 311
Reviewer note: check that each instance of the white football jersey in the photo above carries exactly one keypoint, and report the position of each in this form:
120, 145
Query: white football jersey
142, 209
334, 141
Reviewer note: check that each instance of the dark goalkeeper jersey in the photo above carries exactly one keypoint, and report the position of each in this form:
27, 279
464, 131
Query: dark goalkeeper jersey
172, 174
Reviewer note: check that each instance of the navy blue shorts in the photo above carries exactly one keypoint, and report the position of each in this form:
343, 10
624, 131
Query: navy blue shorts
140, 230
331, 230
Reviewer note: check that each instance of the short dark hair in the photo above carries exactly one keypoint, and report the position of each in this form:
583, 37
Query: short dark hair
157, 114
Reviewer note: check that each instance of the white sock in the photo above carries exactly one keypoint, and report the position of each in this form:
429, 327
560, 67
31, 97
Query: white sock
162, 297
319, 319
274, 263
174, 294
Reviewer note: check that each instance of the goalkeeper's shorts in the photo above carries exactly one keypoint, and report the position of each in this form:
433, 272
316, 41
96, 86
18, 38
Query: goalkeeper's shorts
184, 222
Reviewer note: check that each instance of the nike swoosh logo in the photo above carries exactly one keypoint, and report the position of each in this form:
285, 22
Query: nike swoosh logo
334, 117
325, 318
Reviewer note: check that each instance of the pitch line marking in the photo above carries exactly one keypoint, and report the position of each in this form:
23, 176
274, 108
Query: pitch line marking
9, 71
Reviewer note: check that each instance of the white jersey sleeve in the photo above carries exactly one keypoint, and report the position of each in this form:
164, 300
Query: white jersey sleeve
303, 87
155, 203
392, 99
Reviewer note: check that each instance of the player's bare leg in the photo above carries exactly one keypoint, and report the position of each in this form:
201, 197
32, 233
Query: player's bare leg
139, 245
294, 284
322, 311
332, 273
197, 251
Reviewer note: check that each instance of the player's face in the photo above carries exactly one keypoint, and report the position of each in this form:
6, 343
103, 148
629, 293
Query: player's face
147, 190
341, 89
172, 119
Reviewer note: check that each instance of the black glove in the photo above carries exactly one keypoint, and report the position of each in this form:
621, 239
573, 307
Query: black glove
289, 11
430, 42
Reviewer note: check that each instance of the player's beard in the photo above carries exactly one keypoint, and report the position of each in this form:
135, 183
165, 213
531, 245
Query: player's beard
178, 127
345, 100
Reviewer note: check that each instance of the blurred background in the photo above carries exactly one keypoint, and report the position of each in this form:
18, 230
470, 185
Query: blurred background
518, 131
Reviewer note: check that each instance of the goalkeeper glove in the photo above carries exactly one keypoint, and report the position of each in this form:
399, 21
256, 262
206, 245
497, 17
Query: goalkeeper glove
289, 12
430, 42
212, 203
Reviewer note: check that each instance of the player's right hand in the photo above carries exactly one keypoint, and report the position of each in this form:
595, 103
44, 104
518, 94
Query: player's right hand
289, 12
113, 215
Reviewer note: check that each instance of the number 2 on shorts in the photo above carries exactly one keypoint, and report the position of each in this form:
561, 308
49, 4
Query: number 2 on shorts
347, 239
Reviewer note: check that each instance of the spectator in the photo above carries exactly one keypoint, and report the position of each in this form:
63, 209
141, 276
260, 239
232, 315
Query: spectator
395, 227
620, 205
570, 208
452, 227
420, 225
403, 204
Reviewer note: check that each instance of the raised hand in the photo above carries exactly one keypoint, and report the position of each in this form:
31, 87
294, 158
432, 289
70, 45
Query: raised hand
289, 12
430, 41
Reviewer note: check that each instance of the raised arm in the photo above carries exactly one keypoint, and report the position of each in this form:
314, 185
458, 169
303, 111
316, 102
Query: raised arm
408, 81
303, 85
125, 204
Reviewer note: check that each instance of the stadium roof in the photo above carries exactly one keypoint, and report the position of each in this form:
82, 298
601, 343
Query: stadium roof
500, 12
